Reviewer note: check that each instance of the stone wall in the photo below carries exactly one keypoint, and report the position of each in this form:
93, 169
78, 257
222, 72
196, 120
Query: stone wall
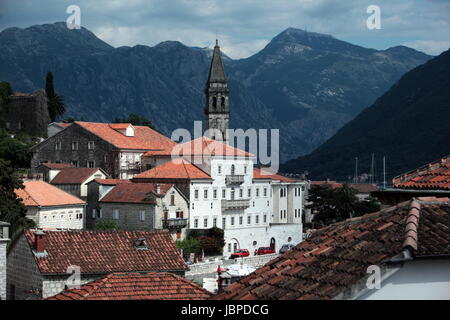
103, 154
28, 113
211, 266
129, 215
3, 269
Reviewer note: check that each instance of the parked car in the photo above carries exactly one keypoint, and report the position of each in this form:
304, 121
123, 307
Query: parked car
240, 253
286, 247
264, 250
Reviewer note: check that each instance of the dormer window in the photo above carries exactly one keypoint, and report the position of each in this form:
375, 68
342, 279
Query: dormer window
126, 129
141, 244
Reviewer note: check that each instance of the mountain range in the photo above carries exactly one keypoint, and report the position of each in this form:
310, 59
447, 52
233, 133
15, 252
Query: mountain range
409, 125
306, 84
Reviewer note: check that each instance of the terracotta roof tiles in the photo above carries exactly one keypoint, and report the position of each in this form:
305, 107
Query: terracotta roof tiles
136, 286
336, 257
40, 193
178, 169
107, 251
135, 193
73, 175
435, 176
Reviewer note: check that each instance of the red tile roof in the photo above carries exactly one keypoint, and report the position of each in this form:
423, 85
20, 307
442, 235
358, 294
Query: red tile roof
329, 183
74, 175
107, 251
336, 257
40, 193
136, 286
174, 170
363, 187
57, 166
144, 137
266, 174
205, 146
435, 176
111, 182
135, 192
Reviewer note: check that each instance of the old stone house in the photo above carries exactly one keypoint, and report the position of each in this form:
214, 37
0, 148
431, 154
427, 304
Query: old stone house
28, 113
49, 170
42, 263
4, 238
75, 180
114, 147
139, 206
51, 207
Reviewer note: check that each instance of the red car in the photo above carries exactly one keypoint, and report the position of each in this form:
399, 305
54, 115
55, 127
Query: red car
264, 250
240, 253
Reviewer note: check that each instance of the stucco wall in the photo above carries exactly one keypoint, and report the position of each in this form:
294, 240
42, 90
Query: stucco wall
58, 217
417, 280
3, 269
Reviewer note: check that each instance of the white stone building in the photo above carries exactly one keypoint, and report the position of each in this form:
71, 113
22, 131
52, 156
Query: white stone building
51, 207
254, 207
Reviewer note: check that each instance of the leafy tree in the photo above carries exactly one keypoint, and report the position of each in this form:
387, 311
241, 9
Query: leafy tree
56, 106
332, 205
136, 120
189, 245
12, 209
5, 92
15, 151
106, 225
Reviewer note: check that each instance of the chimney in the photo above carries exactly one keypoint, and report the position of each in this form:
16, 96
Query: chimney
39, 241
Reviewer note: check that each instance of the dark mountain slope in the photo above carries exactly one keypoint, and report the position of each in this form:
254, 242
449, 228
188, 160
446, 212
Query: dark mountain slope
409, 124
306, 84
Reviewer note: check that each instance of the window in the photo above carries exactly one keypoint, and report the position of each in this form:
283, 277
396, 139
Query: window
205, 193
196, 194
205, 222
91, 164
229, 247
265, 192
224, 222
90, 145
116, 214
232, 221
79, 216
265, 218
75, 163
224, 193
281, 214
249, 219
195, 223
192, 206
215, 194
245, 169
214, 222
233, 169
257, 192
58, 145
99, 213
179, 214
172, 199
241, 193
75, 145
219, 169
257, 219
142, 215
235, 246
240, 220
249, 192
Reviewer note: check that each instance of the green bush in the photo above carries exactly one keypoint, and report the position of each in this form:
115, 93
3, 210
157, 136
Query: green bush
106, 225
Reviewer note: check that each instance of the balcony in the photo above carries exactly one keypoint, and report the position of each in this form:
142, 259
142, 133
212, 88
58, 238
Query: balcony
234, 179
235, 204
175, 223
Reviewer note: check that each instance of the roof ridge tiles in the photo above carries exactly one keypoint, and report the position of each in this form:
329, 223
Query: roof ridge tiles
412, 225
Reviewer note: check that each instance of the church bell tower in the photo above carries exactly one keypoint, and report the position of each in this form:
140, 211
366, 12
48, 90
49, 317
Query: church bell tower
217, 109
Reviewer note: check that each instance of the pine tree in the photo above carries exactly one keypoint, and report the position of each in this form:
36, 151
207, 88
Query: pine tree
56, 105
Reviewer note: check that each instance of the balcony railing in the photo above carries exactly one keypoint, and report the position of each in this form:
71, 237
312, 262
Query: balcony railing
235, 204
174, 223
234, 179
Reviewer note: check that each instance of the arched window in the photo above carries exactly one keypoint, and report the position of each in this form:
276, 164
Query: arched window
214, 102
222, 102
232, 170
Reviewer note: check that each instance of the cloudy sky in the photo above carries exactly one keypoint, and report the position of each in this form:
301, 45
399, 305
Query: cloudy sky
243, 26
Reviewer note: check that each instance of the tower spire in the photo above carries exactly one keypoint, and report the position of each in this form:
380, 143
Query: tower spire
217, 105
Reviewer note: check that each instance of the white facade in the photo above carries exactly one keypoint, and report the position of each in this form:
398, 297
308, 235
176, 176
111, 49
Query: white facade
252, 212
417, 280
62, 217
